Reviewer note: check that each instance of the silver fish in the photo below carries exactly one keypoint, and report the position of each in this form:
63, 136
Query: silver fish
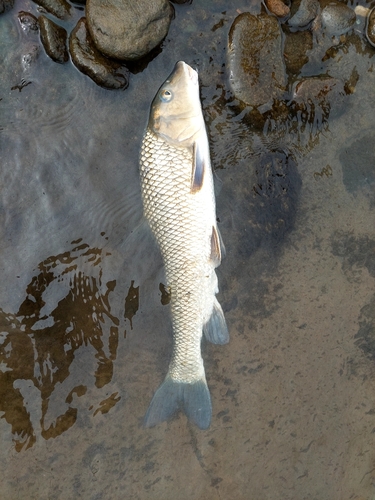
179, 205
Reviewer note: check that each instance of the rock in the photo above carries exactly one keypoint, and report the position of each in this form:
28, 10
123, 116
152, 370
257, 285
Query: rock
335, 19
316, 88
315, 98
28, 22
277, 7
85, 56
59, 8
296, 46
306, 12
256, 66
53, 38
125, 29
370, 27
6, 5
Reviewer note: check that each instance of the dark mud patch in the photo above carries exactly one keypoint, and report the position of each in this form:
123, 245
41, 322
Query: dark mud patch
357, 161
269, 201
261, 207
357, 253
365, 338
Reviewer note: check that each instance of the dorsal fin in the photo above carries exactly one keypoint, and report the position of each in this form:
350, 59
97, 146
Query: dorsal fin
199, 165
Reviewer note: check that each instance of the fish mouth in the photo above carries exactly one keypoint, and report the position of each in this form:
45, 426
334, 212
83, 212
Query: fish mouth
188, 70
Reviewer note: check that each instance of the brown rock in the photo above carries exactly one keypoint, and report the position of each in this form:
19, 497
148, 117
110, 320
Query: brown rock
53, 38
256, 65
59, 8
370, 27
85, 56
318, 97
28, 22
296, 46
277, 7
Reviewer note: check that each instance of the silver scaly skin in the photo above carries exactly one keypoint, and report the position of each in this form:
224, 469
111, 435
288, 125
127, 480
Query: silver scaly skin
179, 205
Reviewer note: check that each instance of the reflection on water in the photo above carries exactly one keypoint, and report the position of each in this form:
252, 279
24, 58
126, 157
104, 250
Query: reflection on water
63, 310
85, 333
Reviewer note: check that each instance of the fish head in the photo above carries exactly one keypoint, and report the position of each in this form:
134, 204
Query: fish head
176, 113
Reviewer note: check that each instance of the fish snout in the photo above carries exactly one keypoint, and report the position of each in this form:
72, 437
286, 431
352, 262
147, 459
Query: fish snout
188, 70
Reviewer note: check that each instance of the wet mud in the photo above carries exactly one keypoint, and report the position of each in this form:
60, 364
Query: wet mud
85, 331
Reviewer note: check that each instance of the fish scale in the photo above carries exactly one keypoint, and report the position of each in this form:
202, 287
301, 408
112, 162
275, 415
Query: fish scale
178, 225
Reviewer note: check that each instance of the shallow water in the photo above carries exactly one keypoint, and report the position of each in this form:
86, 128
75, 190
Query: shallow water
83, 348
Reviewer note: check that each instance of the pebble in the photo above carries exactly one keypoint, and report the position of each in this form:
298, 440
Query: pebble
128, 30
277, 7
59, 8
362, 11
28, 22
53, 38
370, 27
306, 12
85, 56
335, 19
256, 66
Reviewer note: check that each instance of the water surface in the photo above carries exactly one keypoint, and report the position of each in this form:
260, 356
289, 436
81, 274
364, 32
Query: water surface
85, 339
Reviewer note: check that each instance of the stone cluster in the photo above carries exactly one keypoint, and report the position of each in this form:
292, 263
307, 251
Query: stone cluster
111, 34
266, 53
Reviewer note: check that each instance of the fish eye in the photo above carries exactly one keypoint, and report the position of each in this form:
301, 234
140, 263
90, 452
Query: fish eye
166, 95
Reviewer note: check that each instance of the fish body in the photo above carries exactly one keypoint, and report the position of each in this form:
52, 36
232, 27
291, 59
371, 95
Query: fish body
179, 205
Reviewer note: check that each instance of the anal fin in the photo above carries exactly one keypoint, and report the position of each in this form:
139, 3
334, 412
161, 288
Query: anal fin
216, 330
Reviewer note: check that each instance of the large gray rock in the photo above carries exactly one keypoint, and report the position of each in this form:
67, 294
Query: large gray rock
125, 29
256, 66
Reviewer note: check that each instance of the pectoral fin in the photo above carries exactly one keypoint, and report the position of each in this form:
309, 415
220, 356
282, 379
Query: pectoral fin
200, 163
217, 246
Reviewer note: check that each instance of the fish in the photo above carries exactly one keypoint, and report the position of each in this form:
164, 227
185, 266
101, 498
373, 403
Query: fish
179, 205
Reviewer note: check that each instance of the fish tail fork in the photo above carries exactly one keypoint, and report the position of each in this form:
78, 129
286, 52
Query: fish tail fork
193, 398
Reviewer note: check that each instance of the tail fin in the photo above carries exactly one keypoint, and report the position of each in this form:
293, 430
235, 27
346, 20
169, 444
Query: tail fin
194, 399
216, 330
